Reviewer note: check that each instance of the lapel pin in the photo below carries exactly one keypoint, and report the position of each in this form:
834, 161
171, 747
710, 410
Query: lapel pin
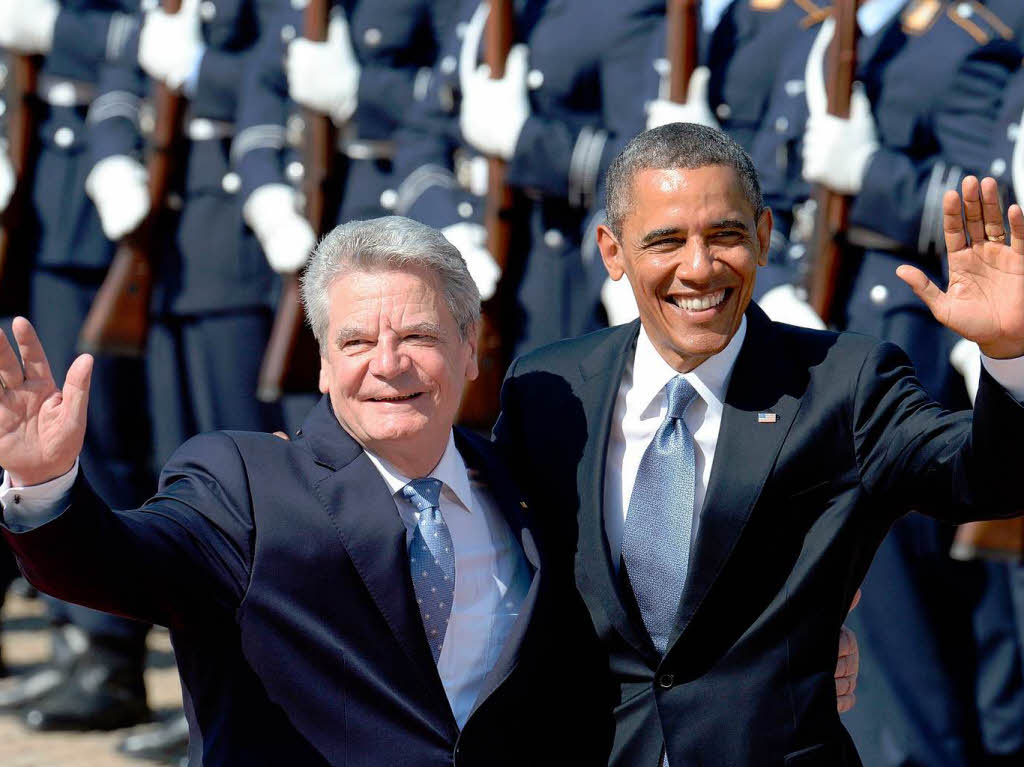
767, 418
523, 504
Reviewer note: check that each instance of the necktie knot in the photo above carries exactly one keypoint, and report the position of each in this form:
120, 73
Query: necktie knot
423, 493
680, 394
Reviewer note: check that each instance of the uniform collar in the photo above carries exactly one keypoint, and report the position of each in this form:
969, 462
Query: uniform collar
711, 378
451, 470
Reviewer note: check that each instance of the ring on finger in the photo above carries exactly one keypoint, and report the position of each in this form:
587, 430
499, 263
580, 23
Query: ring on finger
996, 238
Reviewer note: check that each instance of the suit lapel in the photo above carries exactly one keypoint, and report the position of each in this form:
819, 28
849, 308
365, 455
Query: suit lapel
483, 466
601, 373
744, 456
359, 503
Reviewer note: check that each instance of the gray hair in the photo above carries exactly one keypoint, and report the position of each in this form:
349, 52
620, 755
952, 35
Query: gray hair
675, 145
391, 242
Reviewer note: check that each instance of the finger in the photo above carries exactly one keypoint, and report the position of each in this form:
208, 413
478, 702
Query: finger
470, 51
75, 395
842, 667
973, 217
924, 289
517, 63
10, 368
697, 88
992, 210
845, 703
844, 686
282, 435
953, 222
814, 71
847, 642
1016, 216
855, 602
33, 358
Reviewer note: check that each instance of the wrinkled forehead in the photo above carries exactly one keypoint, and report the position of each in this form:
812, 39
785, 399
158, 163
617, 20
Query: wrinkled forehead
709, 190
387, 298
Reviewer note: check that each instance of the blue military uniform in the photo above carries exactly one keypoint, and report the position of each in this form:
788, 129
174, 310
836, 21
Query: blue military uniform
934, 75
211, 304
584, 100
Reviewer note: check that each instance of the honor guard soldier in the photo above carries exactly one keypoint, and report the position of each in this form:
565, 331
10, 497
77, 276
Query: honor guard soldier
375, 63
95, 678
557, 117
933, 75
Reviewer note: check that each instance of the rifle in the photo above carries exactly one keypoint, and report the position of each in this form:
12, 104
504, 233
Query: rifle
23, 112
118, 320
999, 540
682, 21
481, 402
291, 360
832, 216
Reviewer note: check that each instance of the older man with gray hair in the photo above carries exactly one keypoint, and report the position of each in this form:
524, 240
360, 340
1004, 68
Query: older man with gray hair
373, 592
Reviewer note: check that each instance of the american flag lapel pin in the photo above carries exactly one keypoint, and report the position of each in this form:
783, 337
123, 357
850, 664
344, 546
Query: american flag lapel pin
767, 418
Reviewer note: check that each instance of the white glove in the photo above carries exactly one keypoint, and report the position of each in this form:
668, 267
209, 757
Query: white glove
171, 44
118, 188
325, 76
966, 360
836, 152
782, 304
695, 110
494, 111
471, 241
619, 302
286, 236
7, 180
27, 25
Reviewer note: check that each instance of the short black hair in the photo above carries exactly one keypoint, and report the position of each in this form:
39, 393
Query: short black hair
675, 145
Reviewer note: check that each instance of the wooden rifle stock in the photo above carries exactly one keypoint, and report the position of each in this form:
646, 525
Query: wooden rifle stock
481, 401
832, 214
22, 109
291, 360
999, 540
118, 320
682, 19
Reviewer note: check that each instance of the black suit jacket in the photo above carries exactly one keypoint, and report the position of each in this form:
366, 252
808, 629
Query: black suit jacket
282, 571
793, 514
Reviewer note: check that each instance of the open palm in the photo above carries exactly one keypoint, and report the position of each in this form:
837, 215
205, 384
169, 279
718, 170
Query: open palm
41, 427
984, 301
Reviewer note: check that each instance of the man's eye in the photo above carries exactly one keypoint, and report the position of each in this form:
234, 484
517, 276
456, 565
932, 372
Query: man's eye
727, 237
355, 343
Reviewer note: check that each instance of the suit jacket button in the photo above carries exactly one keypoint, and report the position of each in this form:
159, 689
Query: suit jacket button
666, 680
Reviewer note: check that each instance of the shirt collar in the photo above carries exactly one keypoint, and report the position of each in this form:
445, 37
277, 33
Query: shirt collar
451, 470
875, 14
711, 378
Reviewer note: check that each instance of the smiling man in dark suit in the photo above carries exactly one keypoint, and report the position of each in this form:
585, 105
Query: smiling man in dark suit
720, 482
373, 592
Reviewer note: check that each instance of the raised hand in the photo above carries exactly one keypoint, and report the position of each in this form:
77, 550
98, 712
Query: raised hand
984, 301
41, 427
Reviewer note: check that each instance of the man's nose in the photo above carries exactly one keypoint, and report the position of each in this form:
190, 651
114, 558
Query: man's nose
696, 261
387, 360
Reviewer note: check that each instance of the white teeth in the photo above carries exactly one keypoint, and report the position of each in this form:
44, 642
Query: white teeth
699, 304
394, 399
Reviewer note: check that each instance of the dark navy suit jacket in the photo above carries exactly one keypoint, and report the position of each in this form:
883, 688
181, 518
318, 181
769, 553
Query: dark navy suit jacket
281, 569
795, 509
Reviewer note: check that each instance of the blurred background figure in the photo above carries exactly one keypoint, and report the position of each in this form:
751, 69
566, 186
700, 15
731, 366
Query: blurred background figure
94, 680
942, 677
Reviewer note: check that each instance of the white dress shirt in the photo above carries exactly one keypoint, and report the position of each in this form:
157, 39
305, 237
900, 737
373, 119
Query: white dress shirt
492, 575
641, 404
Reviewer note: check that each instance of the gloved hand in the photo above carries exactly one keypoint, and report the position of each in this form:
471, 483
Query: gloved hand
695, 110
27, 25
7, 180
782, 304
618, 301
494, 111
171, 44
836, 152
117, 186
325, 76
471, 241
966, 360
286, 236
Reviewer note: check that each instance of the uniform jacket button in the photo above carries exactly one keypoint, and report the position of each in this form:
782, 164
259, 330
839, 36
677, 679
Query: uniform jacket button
553, 238
534, 79
879, 295
207, 11
64, 137
372, 37
665, 681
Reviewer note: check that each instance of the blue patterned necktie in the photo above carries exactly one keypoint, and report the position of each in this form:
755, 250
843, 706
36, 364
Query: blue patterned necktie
656, 538
431, 560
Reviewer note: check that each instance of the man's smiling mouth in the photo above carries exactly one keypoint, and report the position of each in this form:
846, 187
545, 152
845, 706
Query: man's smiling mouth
399, 398
700, 303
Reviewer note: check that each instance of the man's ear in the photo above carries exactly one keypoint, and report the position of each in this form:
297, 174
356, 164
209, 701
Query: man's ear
611, 252
764, 235
325, 384
473, 339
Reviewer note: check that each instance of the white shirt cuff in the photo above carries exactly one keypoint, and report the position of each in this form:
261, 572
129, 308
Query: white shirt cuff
1007, 373
34, 505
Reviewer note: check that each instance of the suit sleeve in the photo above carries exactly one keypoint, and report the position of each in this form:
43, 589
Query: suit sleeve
913, 455
188, 549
